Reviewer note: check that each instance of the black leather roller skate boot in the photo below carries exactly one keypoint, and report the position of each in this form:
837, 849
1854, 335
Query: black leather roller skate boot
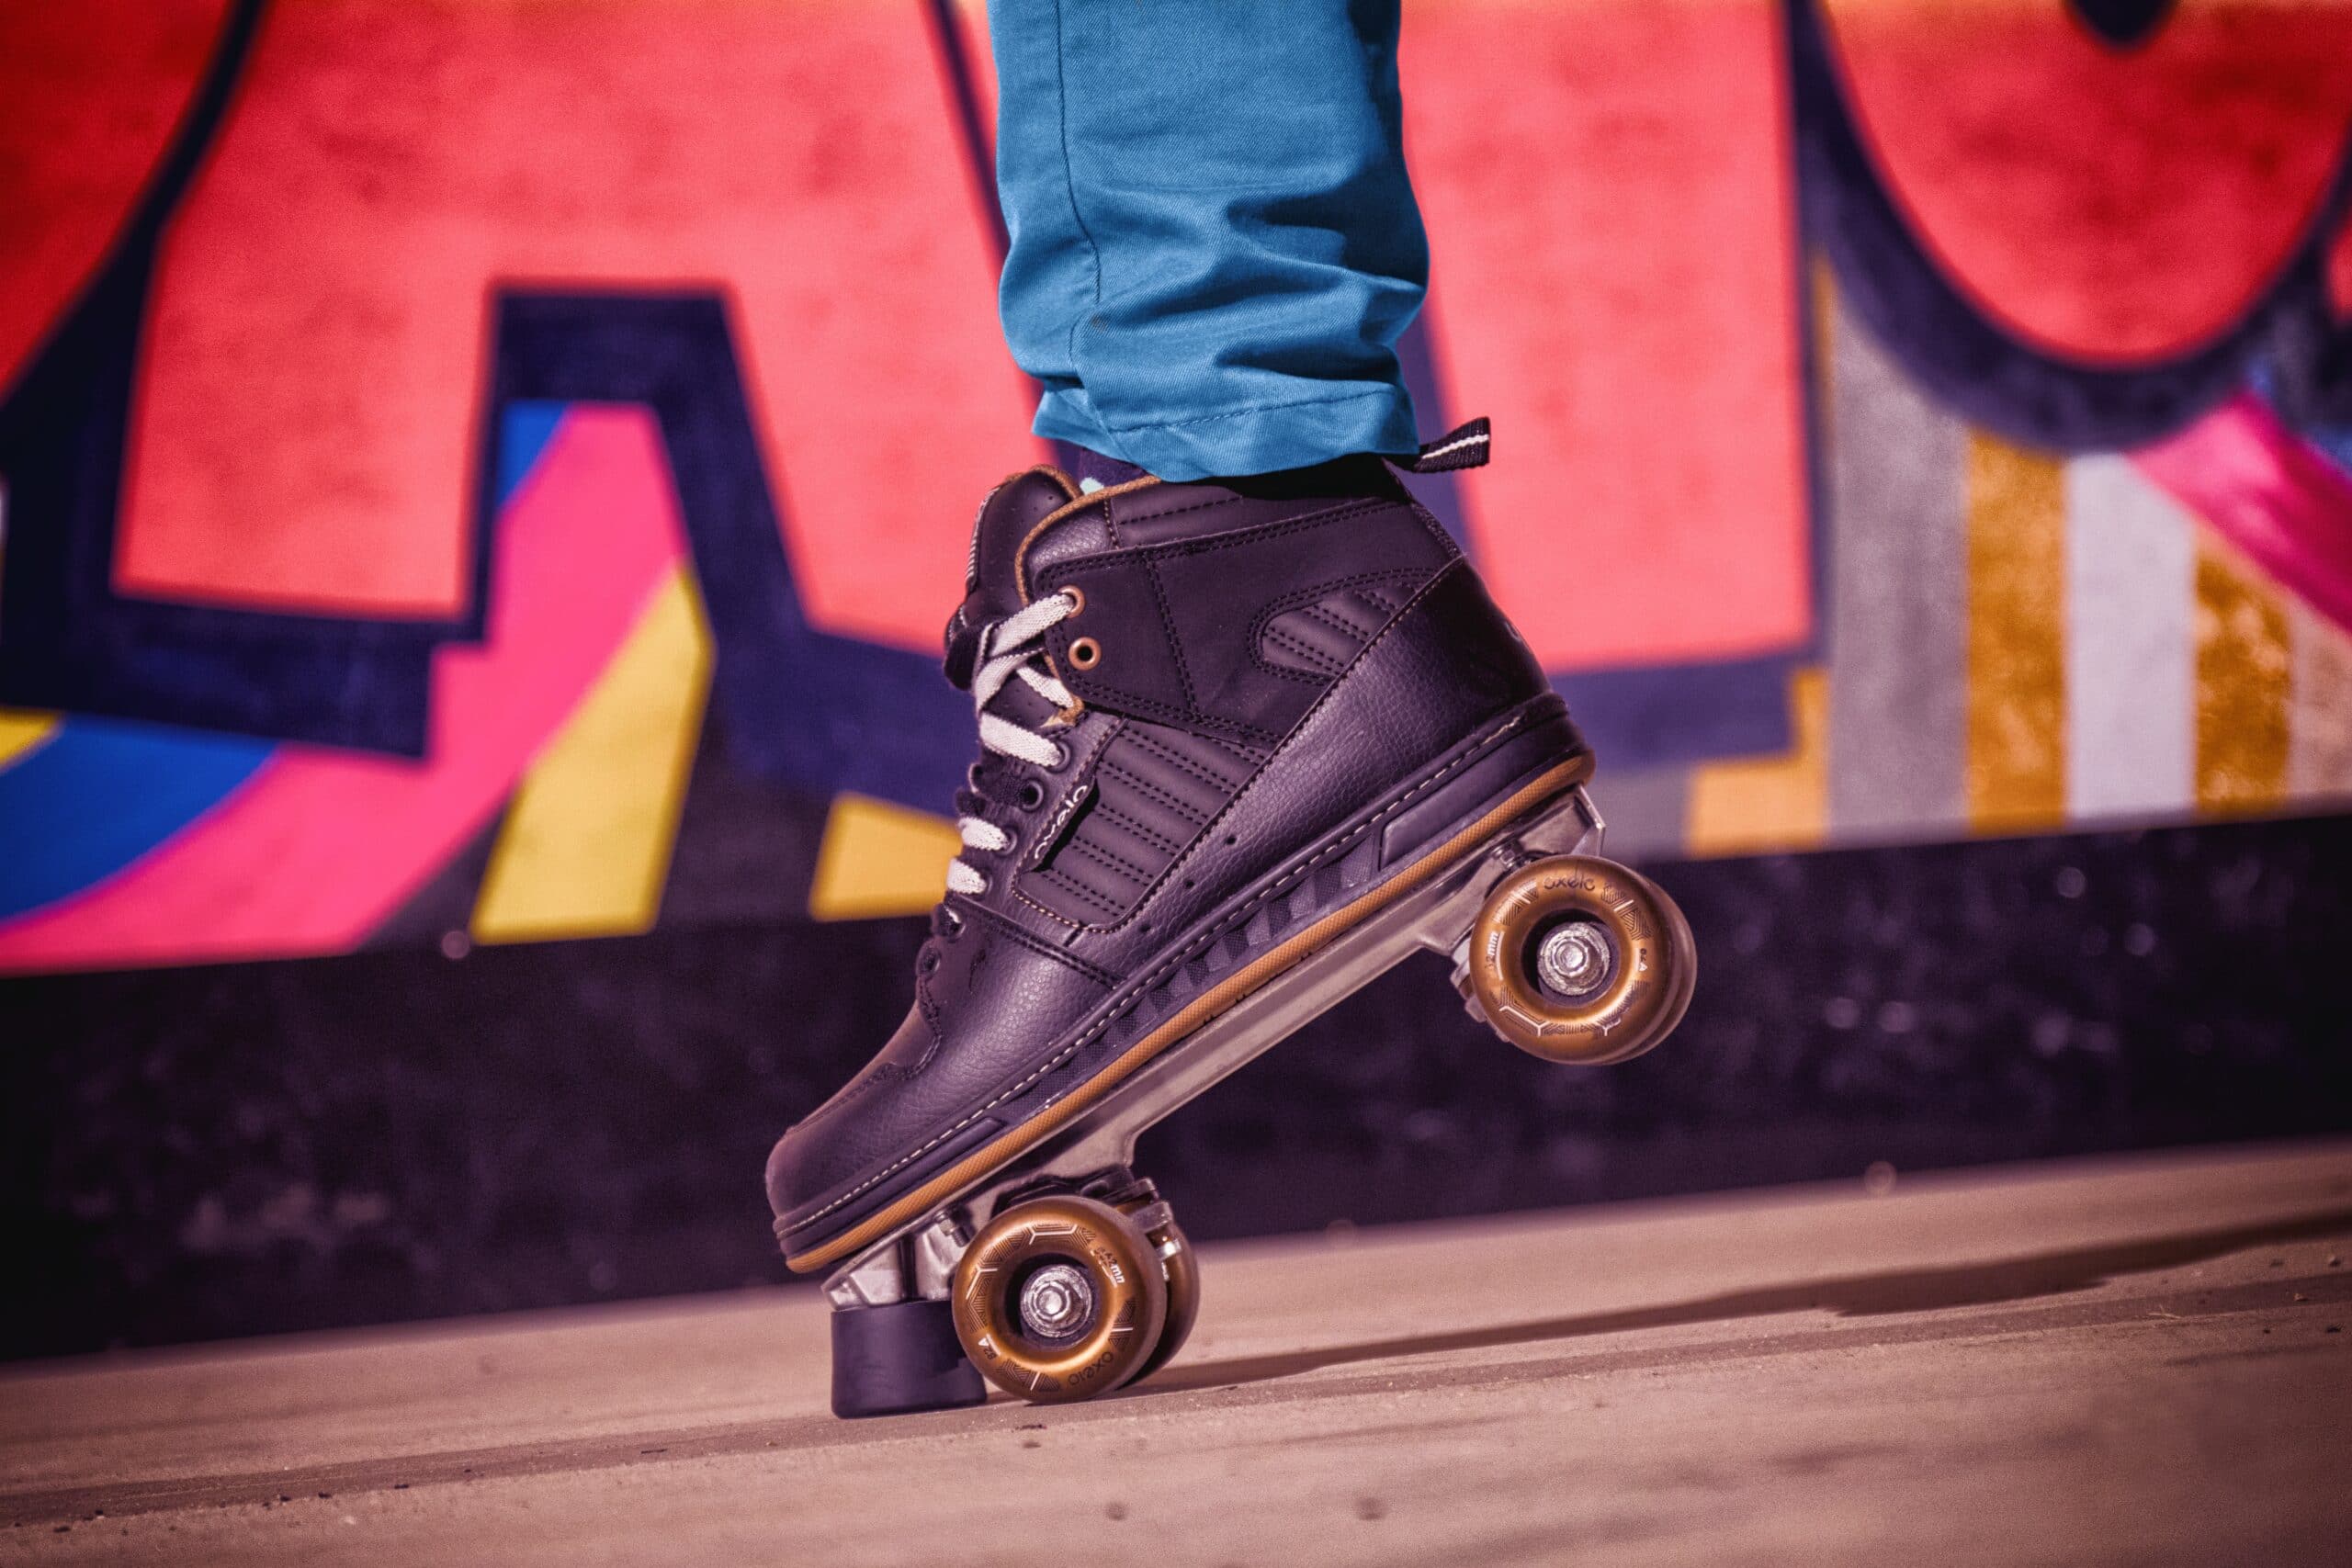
1245, 744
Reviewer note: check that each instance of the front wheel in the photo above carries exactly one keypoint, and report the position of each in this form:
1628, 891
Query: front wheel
1580, 960
1059, 1298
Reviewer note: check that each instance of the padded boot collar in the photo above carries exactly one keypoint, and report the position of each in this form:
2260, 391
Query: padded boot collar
992, 587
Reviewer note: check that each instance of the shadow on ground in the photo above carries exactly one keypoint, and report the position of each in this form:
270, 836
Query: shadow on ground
1917, 1291
1853, 1295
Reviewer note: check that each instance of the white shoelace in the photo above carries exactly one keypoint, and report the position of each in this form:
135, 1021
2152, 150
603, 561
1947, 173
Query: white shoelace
1011, 647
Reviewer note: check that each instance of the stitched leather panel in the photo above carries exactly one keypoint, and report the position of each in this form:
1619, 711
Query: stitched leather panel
1176, 624
1180, 762
1445, 664
1083, 532
1161, 512
1116, 839
1314, 640
1130, 799
1011, 513
1085, 741
1083, 887
1420, 705
991, 983
1317, 878
992, 591
1445, 667
1154, 789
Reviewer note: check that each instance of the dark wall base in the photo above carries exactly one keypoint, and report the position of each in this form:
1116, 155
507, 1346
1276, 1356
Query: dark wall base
198, 1153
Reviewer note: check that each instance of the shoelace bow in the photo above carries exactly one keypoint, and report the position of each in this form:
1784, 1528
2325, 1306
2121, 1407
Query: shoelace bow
1010, 648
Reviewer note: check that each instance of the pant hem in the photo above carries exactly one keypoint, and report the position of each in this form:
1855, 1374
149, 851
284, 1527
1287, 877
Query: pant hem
1261, 439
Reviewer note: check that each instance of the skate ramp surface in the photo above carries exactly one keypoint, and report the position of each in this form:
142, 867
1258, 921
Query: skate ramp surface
2112, 1361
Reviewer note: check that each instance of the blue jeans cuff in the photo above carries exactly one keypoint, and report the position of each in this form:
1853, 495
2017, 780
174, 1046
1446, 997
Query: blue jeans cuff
1260, 440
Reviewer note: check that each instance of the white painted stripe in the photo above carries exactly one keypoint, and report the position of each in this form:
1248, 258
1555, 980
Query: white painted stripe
2319, 754
2131, 646
1898, 600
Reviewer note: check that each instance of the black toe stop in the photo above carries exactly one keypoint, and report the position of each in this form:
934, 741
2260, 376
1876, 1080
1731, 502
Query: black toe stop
896, 1360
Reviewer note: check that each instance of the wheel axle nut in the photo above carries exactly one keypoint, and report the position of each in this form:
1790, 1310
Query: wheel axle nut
1573, 960
1057, 1302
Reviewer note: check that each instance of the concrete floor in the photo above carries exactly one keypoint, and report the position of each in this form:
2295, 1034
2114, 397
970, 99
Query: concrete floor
2117, 1362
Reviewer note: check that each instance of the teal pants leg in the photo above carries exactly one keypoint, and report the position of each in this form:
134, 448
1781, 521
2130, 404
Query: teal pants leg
1215, 244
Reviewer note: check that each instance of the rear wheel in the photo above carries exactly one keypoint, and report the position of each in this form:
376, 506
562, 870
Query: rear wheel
1578, 959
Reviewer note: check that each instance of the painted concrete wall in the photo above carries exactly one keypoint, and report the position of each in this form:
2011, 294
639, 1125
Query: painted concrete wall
484, 472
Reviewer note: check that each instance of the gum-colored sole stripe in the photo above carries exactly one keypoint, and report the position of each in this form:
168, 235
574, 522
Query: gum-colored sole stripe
972, 1167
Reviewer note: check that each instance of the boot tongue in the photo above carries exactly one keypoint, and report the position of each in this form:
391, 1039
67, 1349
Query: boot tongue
992, 581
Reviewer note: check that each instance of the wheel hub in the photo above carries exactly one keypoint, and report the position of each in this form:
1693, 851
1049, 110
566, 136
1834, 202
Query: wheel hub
1574, 960
1058, 1302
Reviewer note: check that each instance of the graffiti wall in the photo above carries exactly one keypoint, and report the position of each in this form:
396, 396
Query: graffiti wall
489, 470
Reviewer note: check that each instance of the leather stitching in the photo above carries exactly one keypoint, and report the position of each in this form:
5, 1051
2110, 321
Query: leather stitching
1175, 643
1331, 617
1078, 503
1322, 663
1064, 883
1247, 757
1115, 862
1209, 505
1182, 807
1309, 597
1280, 884
1105, 763
1153, 745
1143, 830
1240, 538
1011, 929
1177, 717
1212, 504
930, 1010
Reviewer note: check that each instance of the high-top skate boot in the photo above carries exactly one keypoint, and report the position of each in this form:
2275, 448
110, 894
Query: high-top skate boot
1245, 745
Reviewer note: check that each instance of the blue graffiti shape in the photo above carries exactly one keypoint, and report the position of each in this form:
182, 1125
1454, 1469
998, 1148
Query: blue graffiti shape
2125, 24
97, 796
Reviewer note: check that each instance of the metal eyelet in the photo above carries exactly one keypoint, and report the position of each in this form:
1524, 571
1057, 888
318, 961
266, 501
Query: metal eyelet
1085, 653
1032, 794
1076, 597
1061, 759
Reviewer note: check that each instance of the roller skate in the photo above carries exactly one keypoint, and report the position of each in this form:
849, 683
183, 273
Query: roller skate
1245, 745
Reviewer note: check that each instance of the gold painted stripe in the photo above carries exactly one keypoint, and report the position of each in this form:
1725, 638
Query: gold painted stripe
1756, 804
1191, 1016
586, 842
2319, 742
21, 731
2016, 637
2244, 658
878, 858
